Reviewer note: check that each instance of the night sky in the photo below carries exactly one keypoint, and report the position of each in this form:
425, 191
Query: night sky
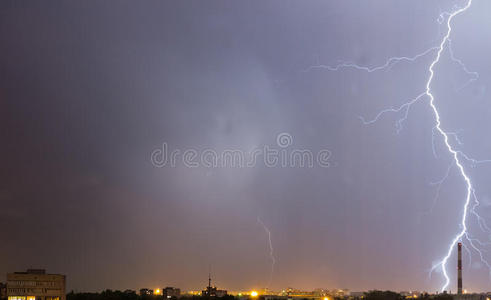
89, 89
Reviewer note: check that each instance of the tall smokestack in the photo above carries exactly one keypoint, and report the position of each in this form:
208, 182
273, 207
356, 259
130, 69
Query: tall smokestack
459, 269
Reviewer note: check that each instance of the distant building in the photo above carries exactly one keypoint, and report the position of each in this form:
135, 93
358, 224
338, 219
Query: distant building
299, 294
3, 291
144, 292
170, 292
212, 291
35, 284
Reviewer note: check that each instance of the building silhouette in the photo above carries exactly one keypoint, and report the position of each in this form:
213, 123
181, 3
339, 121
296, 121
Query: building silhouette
35, 284
212, 291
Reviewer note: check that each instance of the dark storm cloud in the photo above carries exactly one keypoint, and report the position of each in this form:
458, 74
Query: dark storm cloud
89, 89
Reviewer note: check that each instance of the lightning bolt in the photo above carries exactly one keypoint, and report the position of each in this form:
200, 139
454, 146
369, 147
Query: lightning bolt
271, 251
458, 157
451, 150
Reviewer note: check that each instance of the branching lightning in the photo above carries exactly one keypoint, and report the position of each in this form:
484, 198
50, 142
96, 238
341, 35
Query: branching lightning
453, 152
271, 251
472, 74
404, 107
451, 140
388, 63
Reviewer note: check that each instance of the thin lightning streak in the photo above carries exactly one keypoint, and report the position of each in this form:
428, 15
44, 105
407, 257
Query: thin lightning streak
404, 107
474, 75
471, 242
477, 241
482, 223
456, 137
473, 161
439, 185
271, 251
469, 255
390, 62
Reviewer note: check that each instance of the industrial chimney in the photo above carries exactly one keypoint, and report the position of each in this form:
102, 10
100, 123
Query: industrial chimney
459, 269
